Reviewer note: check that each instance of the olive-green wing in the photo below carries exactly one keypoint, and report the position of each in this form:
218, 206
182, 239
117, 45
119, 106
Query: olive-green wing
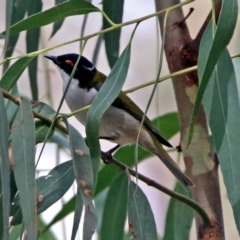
125, 103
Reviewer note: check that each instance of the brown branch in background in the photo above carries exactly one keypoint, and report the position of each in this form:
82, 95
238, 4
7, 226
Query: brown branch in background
202, 166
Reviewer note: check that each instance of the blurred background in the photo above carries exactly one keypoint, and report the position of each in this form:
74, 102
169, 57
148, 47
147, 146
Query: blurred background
143, 68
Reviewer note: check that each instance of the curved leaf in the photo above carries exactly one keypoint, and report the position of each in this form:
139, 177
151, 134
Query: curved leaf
13, 73
115, 208
84, 177
4, 172
66, 9
114, 10
212, 46
23, 146
52, 187
179, 217
106, 95
140, 216
222, 107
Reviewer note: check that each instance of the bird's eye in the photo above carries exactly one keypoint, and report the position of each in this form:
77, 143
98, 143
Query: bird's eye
69, 62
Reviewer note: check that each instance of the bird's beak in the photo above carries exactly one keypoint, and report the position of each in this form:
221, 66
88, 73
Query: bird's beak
53, 58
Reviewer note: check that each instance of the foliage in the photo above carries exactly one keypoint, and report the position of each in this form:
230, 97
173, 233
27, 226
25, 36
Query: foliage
25, 123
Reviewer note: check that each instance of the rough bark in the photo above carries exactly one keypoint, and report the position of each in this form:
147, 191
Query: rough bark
200, 160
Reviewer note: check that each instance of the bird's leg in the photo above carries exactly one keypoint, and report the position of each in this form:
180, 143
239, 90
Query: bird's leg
110, 152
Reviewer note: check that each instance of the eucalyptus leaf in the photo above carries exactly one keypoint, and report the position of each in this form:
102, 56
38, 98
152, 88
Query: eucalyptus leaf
213, 42
140, 216
106, 95
4, 172
114, 10
66, 9
221, 104
23, 146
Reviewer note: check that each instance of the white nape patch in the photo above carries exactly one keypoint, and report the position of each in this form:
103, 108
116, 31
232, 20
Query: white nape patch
89, 68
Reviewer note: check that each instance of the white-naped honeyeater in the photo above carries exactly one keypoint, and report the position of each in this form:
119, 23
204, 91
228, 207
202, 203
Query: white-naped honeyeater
121, 122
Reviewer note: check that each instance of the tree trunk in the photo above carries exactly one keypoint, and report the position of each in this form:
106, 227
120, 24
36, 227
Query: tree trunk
200, 160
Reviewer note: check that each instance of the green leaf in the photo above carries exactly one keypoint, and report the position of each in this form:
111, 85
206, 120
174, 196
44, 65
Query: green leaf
140, 217
13, 73
50, 188
66, 209
221, 104
66, 9
23, 146
115, 208
84, 177
211, 47
77, 214
106, 95
11, 107
179, 217
32, 41
4, 172
9, 7
42, 129
44, 110
15, 232
168, 124
114, 10
57, 25
46, 235
18, 11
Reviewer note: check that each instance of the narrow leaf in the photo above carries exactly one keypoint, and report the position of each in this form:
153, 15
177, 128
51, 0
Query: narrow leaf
4, 172
50, 189
57, 25
9, 7
84, 177
179, 217
18, 11
13, 73
66, 9
106, 95
221, 104
32, 41
115, 208
212, 47
114, 10
140, 216
77, 214
23, 145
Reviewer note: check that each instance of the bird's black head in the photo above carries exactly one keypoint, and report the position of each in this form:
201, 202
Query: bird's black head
85, 70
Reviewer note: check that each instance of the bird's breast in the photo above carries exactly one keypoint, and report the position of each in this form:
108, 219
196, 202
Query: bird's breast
76, 97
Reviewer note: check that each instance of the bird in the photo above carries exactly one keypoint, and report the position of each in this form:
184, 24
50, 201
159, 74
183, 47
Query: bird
121, 122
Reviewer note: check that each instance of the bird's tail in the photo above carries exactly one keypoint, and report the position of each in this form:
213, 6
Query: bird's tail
173, 167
